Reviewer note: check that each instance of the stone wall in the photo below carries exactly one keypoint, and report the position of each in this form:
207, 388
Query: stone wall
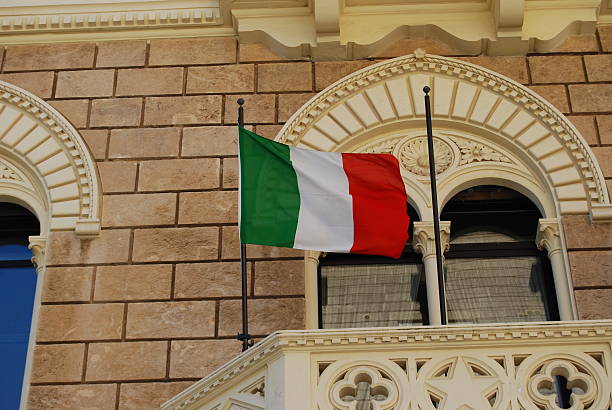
134, 316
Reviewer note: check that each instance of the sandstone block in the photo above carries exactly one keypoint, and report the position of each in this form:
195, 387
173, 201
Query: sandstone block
580, 233
208, 280
604, 125
39, 83
139, 210
231, 248
58, 363
599, 67
179, 174
555, 94
328, 72
581, 43
288, 104
126, 361
265, 316
201, 109
80, 322
257, 52
221, 79
111, 246
133, 282
209, 141
207, 50
67, 284
85, 83
198, 358
268, 131
148, 396
115, 112
230, 173
73, 397
144, 142
176, 244
556, 69
594, 303
258, 108
586, 126
591, 268
49, 56
171, 319
407, 46
284, 77
279, 278
97, 141
513, 67
605, 35
121, 53
74, 110
591, 97
208, 207
150, 81
118, 176
604, 157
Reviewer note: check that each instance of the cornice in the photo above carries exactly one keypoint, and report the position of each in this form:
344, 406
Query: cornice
318, 29
370, 339
109, 17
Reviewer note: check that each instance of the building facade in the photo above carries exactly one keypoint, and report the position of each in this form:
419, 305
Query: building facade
118, 169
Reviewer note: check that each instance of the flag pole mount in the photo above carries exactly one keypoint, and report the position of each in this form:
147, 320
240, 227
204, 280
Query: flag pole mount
434, 204
244, 337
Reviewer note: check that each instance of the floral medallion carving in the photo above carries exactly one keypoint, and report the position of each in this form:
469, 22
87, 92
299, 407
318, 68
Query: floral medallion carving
414, 156
476, 152
8, 173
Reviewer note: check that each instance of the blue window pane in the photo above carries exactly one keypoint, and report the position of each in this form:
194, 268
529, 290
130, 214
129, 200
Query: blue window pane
14, 253
17, 289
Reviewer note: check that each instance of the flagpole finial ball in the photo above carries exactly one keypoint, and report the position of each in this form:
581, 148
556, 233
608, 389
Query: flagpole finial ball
426, 89
240, 101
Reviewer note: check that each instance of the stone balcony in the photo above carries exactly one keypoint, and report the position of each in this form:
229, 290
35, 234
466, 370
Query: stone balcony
501, 366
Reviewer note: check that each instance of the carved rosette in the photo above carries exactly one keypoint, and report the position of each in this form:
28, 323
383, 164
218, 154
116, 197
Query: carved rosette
414, 155
450, 151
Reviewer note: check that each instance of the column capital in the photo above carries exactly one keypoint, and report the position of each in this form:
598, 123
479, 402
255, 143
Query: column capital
549, 235
424, 238
38, 246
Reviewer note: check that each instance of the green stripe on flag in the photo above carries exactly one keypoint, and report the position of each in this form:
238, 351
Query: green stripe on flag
270, 198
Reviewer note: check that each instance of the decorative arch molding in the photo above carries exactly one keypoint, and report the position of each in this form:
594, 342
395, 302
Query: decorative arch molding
488, 129
45, 165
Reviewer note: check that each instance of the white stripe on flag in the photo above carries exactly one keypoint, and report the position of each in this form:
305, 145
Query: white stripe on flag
325, 220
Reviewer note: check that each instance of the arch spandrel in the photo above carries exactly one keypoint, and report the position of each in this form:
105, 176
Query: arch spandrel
383, 102
45, 150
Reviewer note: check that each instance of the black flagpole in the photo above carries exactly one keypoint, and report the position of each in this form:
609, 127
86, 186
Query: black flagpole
244, 337
434, 202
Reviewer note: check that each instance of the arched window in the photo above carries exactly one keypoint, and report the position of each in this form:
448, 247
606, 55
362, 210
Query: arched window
494, 271
372, 291
17, 290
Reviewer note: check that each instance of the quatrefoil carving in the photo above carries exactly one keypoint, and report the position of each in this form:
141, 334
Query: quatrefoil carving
583, 386
383, 393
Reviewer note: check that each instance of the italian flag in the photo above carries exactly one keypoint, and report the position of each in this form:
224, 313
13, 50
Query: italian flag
325, 201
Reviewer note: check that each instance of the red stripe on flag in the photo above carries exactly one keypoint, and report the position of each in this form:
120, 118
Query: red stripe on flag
379, 204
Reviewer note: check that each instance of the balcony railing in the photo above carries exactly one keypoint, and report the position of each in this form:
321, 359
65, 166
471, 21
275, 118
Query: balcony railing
506, 366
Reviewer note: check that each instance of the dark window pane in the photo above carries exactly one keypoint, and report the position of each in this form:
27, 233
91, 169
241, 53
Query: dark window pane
495, 290
372, 295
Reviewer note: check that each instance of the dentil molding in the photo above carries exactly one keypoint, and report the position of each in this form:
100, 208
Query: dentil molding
319, 29
45, 165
